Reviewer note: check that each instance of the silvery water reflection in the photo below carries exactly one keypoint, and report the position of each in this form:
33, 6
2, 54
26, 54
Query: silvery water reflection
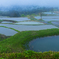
7, 32
15, 18
30, 27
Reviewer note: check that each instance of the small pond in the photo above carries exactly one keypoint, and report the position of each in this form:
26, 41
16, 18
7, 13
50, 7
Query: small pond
7, 32
50, 43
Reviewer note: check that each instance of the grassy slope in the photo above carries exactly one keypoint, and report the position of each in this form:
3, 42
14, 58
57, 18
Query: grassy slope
14, 45
2, 37
16, 42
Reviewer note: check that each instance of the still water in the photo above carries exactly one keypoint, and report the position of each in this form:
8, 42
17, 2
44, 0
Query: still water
30, 27
29, 22
7, 32
6, 22
14, 18
48, 18
56, 23
45, 44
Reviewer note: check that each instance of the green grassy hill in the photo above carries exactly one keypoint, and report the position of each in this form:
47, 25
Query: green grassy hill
13, 47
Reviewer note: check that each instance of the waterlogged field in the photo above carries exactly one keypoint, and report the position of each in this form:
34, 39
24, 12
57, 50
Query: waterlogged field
23, 25
30, 22
15, 18
7, 32
48, 13
56, 23
51, 19
6, 22
48, 18
29, 27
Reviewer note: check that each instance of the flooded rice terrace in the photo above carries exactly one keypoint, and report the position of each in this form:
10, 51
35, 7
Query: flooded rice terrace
26, 24
7, 32
48, 18
14, 18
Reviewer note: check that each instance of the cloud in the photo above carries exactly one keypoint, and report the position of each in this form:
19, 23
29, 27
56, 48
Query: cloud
29, 2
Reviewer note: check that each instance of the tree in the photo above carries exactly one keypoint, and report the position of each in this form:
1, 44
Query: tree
22, 15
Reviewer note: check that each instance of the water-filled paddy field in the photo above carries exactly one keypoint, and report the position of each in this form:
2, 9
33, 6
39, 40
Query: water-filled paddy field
6, 22
48, 13
42, 44
56, 23
7, 32
14, 18
30, 27
48, 18
29, 22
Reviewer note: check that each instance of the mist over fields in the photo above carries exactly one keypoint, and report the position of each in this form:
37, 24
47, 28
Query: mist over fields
18, 8
46, 3
18, 11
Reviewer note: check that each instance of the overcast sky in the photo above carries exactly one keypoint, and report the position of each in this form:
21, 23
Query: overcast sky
54, 3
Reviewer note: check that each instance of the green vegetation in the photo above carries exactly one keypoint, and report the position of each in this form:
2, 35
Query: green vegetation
10, 28
49, 22
32, 18
1, 21
31, 55
2, 37
14, 47
22, 15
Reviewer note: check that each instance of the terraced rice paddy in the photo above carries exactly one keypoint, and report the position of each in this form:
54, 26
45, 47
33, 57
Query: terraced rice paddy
56, 23
6, 22
14, 18
23, 25
27, 28
48, 18
7, 32
29, 22
29, 32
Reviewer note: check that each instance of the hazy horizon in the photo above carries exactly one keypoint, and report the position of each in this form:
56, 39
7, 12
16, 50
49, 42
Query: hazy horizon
46, 3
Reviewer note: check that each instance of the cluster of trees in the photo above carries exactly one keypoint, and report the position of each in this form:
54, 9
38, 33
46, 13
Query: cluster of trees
17, 11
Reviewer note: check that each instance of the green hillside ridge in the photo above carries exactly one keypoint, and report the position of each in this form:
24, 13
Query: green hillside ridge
15, 49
